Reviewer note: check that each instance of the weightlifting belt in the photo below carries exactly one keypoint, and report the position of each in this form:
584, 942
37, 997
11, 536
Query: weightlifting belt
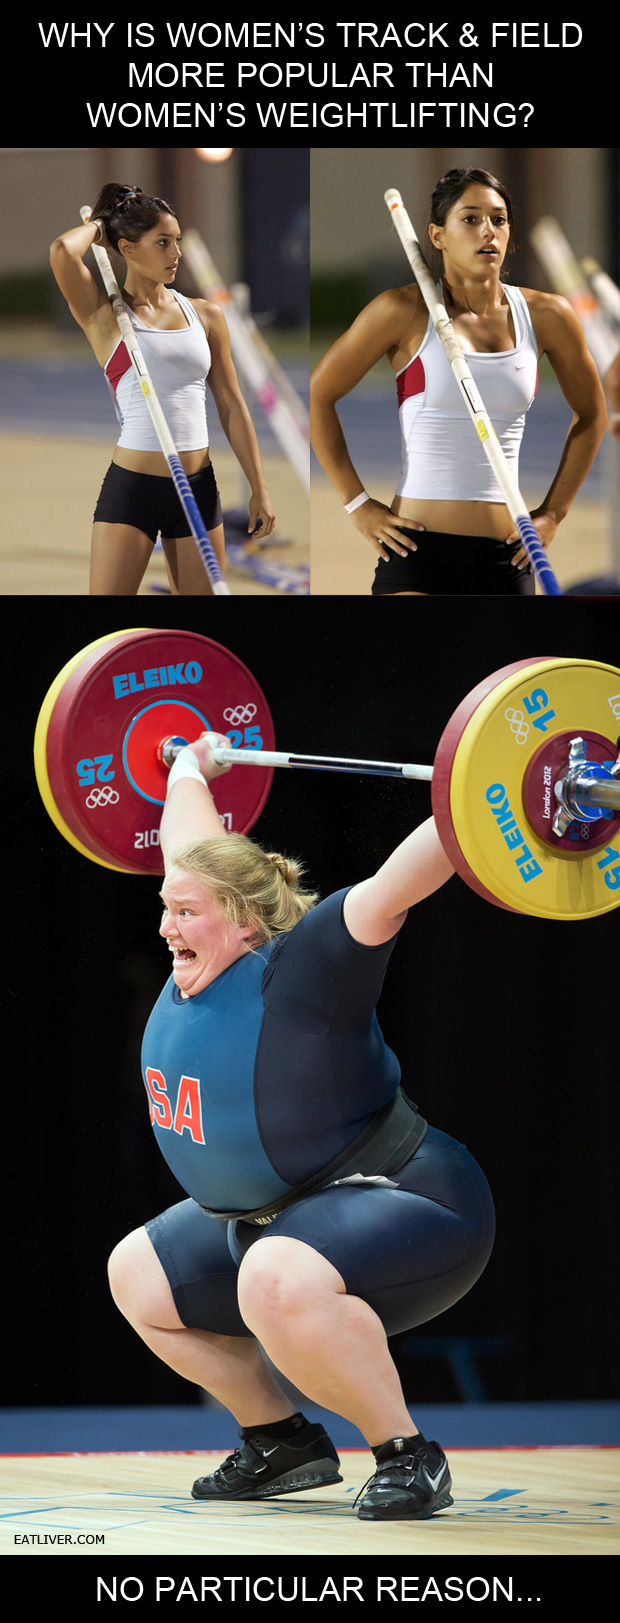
387, 1141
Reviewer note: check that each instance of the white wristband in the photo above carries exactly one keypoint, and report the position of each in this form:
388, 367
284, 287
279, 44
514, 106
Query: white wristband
350, 507
185, 766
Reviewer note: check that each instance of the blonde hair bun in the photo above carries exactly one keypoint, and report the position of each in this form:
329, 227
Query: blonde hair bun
289, 870
254, 887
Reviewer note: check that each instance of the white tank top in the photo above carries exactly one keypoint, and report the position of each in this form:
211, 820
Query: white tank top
178, 361
442, 457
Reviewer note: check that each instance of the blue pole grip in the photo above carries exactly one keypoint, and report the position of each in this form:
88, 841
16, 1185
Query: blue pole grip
195, 521
538, 557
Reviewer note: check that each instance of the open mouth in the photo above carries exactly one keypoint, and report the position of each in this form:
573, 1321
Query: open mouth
182, 955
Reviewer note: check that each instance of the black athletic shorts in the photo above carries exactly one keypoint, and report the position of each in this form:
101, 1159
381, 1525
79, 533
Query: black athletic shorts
410, 1251
467, 565
149, 502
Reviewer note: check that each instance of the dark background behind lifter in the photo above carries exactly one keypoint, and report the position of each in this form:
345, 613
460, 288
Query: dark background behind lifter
505, 1025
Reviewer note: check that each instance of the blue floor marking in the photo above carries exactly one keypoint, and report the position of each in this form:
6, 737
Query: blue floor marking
585, 1515
504, 1493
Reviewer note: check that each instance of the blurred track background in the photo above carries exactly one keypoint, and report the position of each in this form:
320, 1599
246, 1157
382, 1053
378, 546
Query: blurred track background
57, 423
355, 254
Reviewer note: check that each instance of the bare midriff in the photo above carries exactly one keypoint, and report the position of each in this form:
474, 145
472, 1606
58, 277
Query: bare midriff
155, 462
490, 519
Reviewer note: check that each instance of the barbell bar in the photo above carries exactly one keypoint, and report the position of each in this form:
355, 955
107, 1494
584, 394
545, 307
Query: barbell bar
586, 791
525, 783
584, 795
318, 763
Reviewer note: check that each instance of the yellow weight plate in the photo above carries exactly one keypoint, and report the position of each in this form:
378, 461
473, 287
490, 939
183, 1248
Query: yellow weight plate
505, 857
40, 745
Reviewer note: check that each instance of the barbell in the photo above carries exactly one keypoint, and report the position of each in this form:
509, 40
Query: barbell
525, 784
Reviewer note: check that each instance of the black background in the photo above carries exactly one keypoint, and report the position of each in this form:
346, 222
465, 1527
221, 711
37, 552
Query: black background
508, 1027
572, 91
505, 1025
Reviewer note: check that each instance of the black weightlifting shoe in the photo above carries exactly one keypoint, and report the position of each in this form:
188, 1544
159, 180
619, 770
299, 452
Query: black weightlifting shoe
265, 1466
412, 1481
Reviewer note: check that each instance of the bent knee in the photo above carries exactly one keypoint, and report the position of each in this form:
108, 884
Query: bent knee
124, 1268
261, 1289
282, 1278
138, 1283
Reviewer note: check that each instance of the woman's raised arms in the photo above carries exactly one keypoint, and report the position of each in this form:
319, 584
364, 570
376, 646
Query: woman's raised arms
88, 303
375, 909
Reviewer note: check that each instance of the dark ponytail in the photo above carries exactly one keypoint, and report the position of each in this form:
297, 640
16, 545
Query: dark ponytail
126, 211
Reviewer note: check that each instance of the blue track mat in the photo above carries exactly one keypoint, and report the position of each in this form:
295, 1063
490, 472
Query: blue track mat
54, 396
370, 422
459, 1425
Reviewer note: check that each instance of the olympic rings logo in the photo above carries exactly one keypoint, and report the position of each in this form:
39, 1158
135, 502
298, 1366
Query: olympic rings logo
102, 797
242, 713
518, 725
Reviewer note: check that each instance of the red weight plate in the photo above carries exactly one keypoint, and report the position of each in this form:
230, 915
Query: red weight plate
108, 719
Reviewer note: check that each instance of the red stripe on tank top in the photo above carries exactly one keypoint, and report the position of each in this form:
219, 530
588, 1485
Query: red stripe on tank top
118, 364
411, 381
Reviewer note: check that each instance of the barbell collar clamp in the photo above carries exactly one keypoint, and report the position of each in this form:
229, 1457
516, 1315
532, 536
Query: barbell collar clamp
588, 791
592, 792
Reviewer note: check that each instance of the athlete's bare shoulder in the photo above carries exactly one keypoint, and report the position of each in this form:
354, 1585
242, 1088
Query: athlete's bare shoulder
408, 322
382, 328
539, 299
398, 303
203, 307
553, 317
396, 318
543, 305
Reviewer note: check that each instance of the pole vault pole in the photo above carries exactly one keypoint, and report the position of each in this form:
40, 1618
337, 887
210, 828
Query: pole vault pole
179, 476
471, 395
